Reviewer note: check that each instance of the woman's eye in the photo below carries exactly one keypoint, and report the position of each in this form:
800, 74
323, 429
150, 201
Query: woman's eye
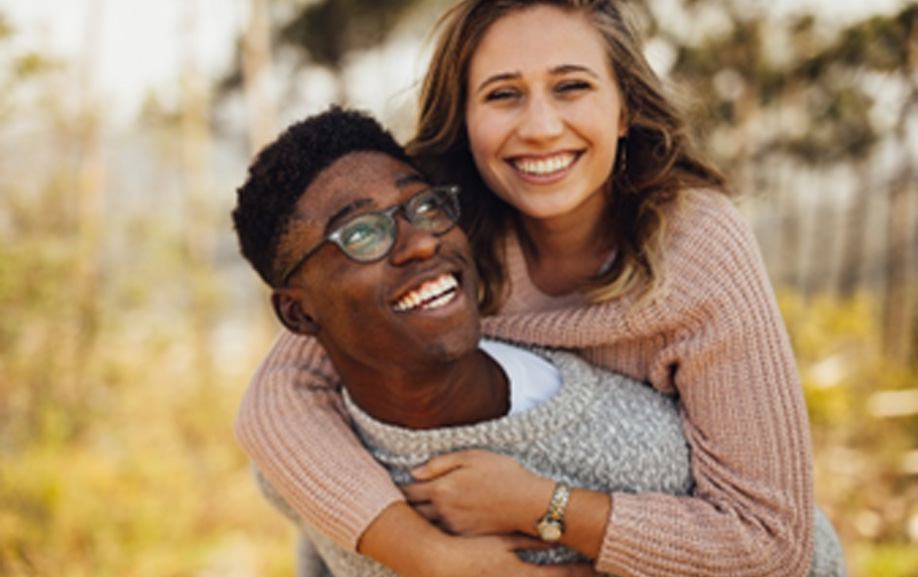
572, 86
502, 94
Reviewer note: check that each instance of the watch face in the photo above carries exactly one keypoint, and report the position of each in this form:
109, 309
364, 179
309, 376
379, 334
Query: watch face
549, 530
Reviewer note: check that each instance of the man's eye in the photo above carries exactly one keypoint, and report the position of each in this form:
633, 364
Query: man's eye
428, 207
358, 234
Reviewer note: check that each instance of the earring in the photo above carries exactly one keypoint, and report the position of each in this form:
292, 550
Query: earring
621, 165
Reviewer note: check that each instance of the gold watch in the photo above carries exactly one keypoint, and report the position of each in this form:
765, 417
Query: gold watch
551, 525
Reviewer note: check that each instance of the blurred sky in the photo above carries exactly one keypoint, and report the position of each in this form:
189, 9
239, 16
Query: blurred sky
140, 42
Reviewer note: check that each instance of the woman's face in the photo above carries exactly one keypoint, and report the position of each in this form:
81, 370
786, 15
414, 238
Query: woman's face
544, 113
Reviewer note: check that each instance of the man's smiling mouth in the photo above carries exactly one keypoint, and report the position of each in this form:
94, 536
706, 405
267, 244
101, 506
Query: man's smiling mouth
431, 294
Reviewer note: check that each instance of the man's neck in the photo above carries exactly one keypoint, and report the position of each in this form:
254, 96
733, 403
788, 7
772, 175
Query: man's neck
462, 392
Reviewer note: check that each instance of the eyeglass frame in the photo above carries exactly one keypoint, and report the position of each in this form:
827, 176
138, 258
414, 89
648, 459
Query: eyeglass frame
334, 236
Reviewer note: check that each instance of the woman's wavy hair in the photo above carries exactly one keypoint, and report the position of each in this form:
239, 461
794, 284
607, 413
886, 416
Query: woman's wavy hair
656, 161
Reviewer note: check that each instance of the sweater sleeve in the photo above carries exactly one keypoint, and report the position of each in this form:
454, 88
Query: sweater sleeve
717, 339
292, 424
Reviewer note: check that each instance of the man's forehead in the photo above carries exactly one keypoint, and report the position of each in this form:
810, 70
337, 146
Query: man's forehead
367, 166
354, 181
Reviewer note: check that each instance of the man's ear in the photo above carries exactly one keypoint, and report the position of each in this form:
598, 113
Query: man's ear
289, 309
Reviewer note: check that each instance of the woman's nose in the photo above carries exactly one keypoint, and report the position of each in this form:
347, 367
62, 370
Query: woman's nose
540, 119
413, 243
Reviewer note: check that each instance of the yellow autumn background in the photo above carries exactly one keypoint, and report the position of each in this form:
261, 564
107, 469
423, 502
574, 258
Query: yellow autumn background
129, 325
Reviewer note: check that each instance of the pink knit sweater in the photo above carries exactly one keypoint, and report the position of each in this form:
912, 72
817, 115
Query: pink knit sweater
713, 335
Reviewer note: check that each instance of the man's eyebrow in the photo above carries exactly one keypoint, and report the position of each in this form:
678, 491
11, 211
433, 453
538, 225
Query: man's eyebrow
400, 182
341, 213
409, 179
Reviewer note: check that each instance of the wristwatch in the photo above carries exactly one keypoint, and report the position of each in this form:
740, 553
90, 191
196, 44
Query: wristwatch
551, 525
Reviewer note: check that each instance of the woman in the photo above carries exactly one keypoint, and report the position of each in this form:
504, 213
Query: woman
597, 227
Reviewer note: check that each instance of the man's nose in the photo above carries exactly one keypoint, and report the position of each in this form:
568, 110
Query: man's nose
413, 243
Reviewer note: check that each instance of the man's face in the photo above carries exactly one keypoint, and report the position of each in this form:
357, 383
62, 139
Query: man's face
415, 305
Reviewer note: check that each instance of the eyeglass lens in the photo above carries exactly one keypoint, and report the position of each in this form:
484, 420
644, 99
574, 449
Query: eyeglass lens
371, 236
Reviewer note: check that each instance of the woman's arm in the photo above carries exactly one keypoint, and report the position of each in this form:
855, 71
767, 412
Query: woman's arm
483, 493
404, 541
292, 424
717, 339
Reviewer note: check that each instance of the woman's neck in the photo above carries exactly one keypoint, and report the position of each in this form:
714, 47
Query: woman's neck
565, 252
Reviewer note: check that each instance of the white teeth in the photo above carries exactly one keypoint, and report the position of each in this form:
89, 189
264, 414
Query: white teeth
430, 295
439, 301
545, 166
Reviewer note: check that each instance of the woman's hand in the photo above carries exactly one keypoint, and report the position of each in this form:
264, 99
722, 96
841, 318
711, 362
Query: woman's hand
496, 556
404, 541
479, 493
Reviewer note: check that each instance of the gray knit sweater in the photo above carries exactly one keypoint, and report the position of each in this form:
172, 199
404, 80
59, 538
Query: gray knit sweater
601, 431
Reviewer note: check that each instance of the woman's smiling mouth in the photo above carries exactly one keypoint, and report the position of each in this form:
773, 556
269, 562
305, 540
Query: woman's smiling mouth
546, 166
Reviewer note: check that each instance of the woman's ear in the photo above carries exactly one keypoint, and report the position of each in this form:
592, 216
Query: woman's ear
288, 307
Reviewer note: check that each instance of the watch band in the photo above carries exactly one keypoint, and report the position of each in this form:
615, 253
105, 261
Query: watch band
551, 525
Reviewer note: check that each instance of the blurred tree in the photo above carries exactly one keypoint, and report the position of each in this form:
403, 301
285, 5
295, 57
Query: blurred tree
882, 46
808, 107
89, 471
198, 226
256, 74
325, 32
91, 190
321, 33
116, 457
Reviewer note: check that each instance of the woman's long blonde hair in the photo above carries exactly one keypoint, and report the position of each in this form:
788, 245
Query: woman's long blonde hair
656, 161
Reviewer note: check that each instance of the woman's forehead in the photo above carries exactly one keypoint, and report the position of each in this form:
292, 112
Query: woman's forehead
542, 38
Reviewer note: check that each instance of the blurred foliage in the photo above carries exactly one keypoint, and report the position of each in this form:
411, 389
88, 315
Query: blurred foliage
865, 452
325, 32
117, 452
130, 468
744, 80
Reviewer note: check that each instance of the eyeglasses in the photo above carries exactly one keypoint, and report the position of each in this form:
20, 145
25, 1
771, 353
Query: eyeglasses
370, 237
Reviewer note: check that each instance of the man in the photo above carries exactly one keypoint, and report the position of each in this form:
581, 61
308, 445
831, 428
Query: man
363, 254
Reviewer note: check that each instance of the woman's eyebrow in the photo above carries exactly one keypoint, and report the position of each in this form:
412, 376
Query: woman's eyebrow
569, 68
559, 70
498, 78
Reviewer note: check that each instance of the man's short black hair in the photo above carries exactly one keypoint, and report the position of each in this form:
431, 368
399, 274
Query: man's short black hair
284, 169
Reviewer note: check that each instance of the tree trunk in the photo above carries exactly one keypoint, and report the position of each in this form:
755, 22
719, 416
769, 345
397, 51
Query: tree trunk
198, 225
256, 73
260, 104
898, 304
898, 310
855, 233
90, 180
